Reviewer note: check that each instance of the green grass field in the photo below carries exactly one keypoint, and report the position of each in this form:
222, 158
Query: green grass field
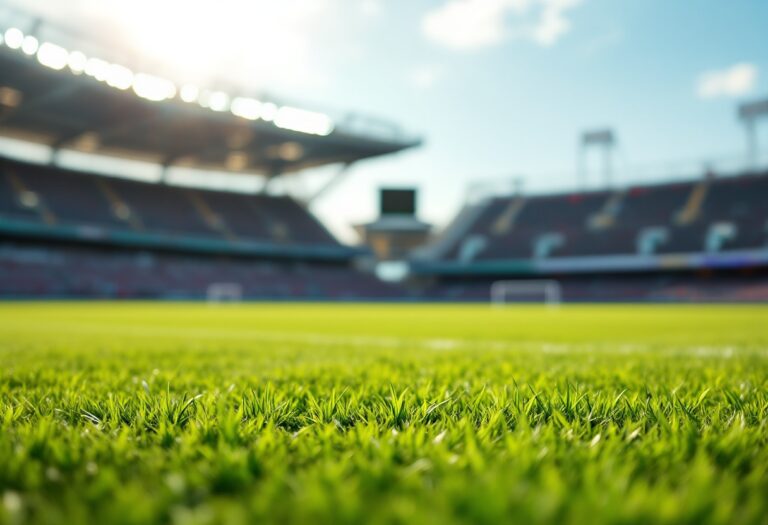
175, 413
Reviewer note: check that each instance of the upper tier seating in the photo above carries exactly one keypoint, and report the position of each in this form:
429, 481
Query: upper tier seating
61, 197
12, 201
161, 208
713, 214
72, 199
742, 201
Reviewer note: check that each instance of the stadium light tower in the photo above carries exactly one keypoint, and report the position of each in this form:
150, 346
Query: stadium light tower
604, 139
750, 113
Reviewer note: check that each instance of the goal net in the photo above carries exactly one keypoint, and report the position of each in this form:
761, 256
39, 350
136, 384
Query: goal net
539, 290
218, 293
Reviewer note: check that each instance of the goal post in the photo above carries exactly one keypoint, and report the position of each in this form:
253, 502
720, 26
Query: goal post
218, 293
547, 290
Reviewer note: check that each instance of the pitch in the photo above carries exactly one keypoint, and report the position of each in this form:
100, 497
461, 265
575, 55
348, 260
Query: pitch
187, 413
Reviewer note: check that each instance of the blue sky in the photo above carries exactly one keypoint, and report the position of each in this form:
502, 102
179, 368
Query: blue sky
497, 88
516, 106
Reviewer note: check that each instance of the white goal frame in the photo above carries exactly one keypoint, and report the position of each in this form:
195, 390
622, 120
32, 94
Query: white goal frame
219, 293
550, 290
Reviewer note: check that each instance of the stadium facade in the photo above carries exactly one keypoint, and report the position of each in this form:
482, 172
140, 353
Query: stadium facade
704, 239
68, 233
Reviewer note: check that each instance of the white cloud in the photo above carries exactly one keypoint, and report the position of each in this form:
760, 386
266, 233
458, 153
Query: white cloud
474, 24
470, 24
734, 81
553, 23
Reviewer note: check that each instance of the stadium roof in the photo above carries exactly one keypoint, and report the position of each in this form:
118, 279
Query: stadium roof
65, 100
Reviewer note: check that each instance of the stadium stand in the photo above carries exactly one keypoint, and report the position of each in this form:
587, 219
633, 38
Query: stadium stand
55, 196
71, 271
711, 215
65, 233
15, 203
701, 240
69, 234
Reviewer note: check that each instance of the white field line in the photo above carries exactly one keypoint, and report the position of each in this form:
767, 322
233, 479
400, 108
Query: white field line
196, 333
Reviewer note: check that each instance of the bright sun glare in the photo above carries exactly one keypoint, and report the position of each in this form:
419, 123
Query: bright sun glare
255, 41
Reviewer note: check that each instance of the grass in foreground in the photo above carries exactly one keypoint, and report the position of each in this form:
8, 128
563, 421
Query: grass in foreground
386, 414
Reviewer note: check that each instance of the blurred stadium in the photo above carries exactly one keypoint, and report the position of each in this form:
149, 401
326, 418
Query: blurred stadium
368, 366
119, 184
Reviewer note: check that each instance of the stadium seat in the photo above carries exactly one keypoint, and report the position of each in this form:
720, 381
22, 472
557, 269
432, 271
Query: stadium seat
617, 223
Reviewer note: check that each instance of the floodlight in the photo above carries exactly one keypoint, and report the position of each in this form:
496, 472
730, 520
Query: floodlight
750, 113
14, 38
247, 108
97, 68
754, 109
77, 62
189, 93
218, 101
599, 136
304, 121
268, 111
602, 138
52, 56
30, 45
153, 88
119, 77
